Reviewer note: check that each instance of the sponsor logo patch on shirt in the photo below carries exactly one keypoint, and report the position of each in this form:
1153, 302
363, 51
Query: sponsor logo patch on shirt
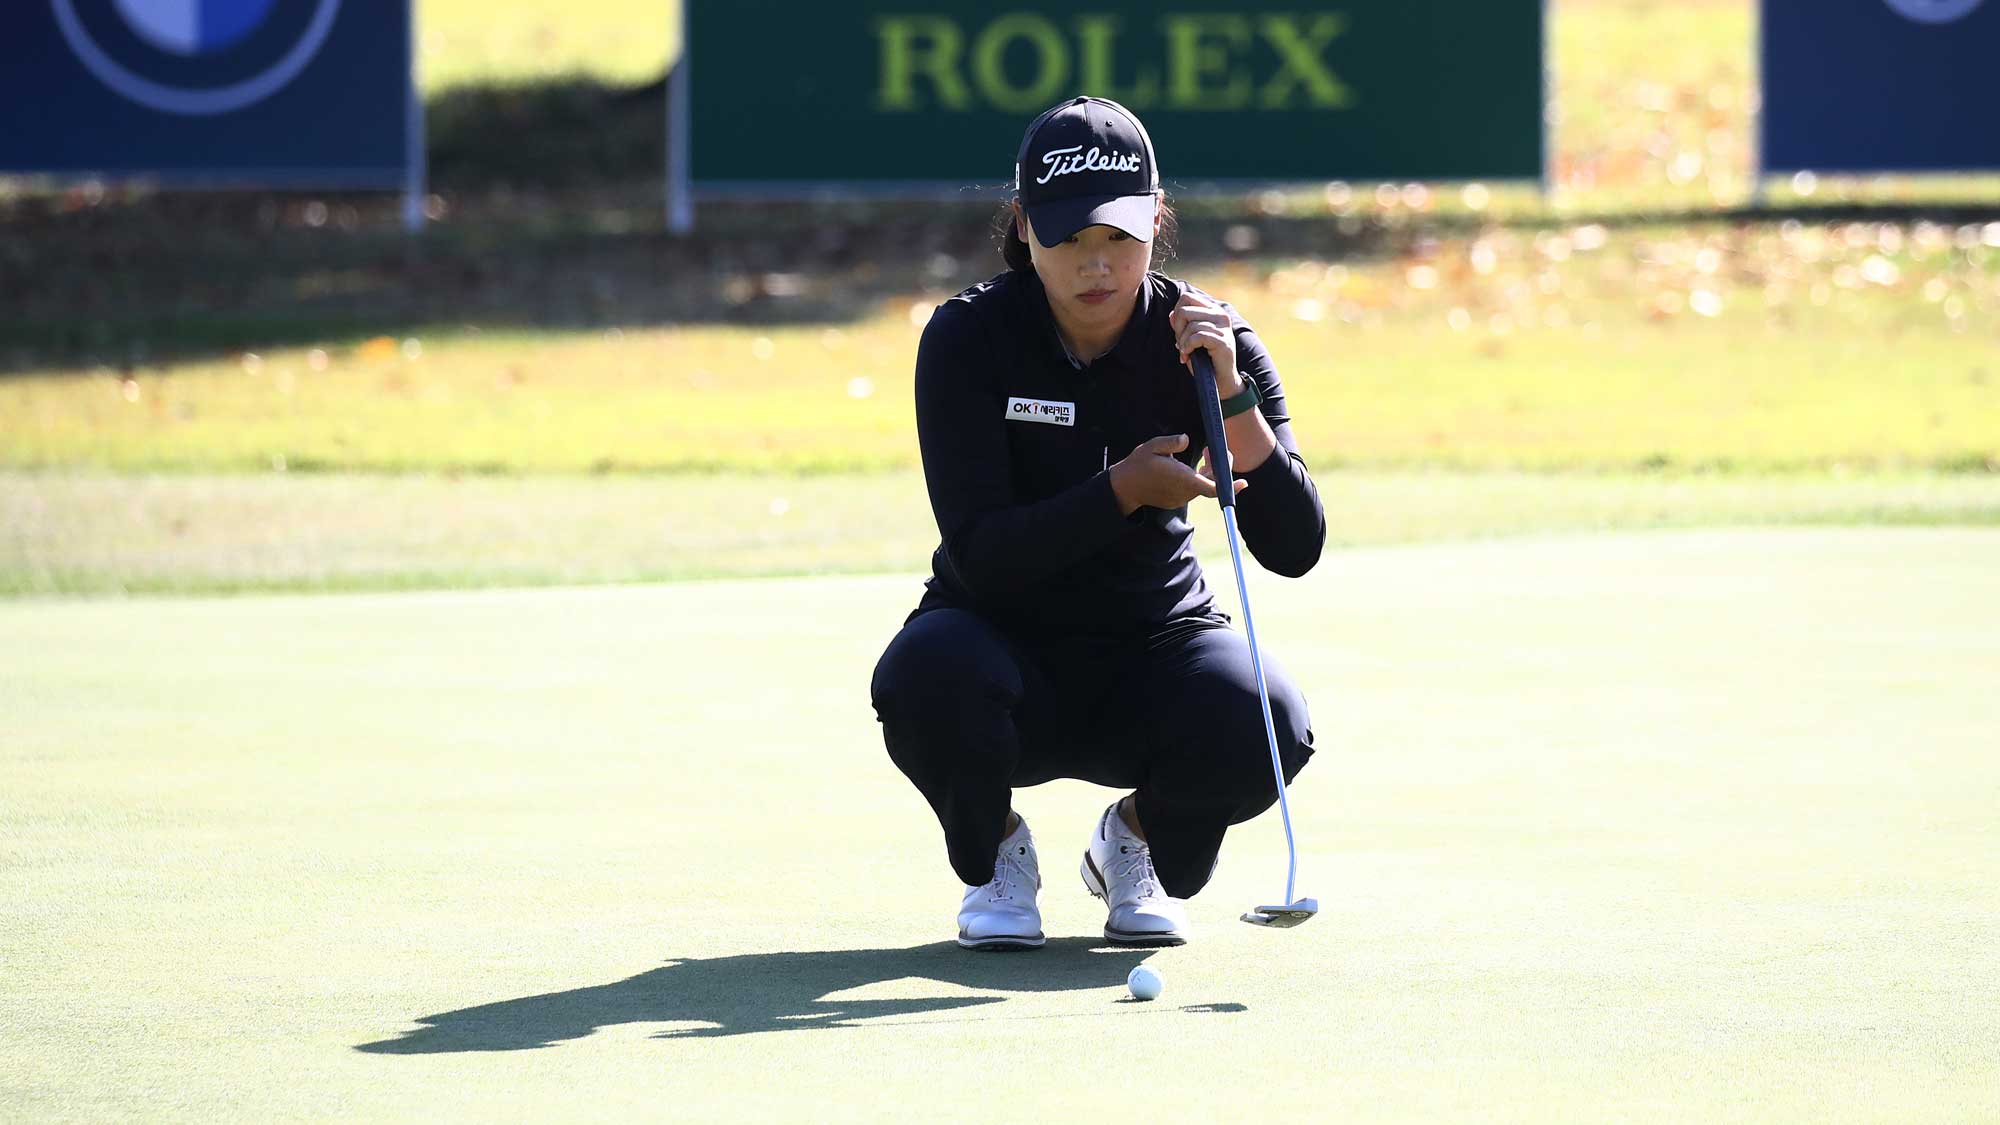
1040, 410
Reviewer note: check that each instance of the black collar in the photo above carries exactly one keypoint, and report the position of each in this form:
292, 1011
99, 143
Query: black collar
1130, 347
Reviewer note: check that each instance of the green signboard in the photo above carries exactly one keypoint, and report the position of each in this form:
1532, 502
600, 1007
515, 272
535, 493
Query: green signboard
900, 96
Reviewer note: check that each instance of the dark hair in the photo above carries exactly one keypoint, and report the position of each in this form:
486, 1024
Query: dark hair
1015, 251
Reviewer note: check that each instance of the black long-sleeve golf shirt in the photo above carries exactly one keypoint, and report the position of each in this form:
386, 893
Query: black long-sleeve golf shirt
1017, 446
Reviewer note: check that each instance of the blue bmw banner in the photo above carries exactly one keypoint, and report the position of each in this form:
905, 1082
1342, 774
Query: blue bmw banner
1881, 85
210, 91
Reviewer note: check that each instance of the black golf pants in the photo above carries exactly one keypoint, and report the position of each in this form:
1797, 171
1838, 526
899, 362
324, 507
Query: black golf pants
970, 714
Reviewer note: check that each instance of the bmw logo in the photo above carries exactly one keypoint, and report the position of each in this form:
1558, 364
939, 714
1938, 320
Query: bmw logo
195, 57
1933, 11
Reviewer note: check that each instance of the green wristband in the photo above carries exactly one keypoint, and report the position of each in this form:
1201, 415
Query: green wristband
1242, 400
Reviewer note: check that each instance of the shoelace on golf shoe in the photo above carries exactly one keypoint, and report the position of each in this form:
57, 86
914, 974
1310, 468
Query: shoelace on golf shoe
1138, 861
1008, 869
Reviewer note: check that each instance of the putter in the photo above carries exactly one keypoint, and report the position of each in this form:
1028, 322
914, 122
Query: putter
1298, 910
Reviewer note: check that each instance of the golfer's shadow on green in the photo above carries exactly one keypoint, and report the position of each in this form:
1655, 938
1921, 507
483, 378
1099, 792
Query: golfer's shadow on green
762, 992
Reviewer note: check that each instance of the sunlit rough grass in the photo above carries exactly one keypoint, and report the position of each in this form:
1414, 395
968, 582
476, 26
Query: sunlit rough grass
464, 42
87, 533
668, 399
1762, 347
1653, 98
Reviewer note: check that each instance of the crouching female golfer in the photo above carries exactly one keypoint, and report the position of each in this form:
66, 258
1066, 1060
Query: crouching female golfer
1066, 630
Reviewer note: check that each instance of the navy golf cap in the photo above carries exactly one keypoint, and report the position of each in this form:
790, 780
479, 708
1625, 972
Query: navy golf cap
1084, 163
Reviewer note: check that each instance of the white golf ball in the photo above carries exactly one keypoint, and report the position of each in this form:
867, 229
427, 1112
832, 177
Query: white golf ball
1145, 983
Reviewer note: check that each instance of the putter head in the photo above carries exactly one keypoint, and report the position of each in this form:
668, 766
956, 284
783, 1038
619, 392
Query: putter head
1283, 917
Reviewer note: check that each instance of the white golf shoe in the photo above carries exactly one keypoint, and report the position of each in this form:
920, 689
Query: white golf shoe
1002, 915
1118, 868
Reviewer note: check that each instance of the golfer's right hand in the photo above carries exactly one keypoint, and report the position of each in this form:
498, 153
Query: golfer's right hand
1150, 477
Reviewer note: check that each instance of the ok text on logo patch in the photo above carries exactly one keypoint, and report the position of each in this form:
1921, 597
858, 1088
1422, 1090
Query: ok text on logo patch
1039, 410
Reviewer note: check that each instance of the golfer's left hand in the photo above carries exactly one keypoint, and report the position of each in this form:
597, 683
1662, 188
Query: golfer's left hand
1200, 322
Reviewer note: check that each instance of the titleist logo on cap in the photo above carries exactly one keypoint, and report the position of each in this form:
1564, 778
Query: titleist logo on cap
1087, 163
1065, 161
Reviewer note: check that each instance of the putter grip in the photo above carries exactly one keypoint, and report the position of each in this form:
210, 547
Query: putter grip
1210, 398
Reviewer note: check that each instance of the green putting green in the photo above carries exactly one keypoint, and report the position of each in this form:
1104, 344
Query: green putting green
1663, 826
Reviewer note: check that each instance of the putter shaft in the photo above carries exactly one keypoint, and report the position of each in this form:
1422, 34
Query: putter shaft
1210, 403
1264, 700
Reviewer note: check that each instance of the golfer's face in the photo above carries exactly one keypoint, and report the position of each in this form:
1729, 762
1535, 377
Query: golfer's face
1092, 277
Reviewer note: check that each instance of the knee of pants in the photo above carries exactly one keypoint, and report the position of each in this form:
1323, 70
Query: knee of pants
942, 665
1242, 765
